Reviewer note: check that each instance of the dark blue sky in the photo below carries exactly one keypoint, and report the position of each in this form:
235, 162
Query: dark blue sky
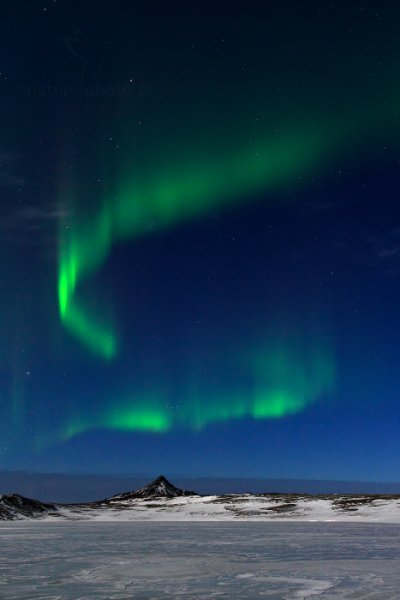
253, 298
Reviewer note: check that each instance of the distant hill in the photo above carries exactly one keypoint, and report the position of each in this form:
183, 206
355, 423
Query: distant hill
14, 506
161, 500
58, 487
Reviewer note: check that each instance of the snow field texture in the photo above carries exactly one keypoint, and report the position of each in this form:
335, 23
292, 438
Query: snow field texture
69, 560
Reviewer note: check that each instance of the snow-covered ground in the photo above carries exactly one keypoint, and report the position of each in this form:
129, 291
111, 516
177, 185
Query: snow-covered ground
238, 508
66, 560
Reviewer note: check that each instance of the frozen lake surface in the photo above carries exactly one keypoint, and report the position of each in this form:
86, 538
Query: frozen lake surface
144, 561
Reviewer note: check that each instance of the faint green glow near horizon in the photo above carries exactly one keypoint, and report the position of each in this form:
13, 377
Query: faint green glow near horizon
173, 195
129, 420
141, 415
287, 376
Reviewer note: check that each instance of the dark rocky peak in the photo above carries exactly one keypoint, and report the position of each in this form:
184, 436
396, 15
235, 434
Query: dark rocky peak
159, 488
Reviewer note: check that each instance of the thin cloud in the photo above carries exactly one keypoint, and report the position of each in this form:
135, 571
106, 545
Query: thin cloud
33, 226
389, 252
386, 252
35, 213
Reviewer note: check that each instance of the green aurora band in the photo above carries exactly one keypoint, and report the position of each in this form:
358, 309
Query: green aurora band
187, 190
287, 376
172, 197
285, 382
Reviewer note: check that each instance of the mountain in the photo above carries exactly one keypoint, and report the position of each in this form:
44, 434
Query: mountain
160, 500
68, 488
14, 506
159, 488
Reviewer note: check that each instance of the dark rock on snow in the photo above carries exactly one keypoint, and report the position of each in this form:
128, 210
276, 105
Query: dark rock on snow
14, 506
159, 488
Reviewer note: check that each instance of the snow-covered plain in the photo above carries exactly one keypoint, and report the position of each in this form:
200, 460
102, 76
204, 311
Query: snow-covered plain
69, 560
162, 542
237, 507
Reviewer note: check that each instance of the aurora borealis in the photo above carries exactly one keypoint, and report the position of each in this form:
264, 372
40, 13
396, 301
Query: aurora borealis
285, 379
200, 239
164, 202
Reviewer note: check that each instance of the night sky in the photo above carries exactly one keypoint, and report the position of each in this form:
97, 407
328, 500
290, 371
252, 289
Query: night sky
200, 238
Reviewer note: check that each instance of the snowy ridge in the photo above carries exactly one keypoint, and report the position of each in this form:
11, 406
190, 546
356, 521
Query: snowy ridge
247, 507
162, 501
14, 506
